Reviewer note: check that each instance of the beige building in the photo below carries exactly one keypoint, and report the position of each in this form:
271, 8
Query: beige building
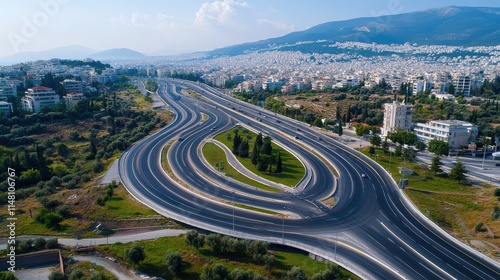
72, 98
396, 115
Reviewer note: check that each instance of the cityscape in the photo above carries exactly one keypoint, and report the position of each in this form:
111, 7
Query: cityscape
363, 147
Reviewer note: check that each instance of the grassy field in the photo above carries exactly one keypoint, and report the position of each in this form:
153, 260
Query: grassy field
194, 260
455, 207
293, 170
214, 154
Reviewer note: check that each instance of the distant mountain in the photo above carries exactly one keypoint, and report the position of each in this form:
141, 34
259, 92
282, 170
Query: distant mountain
454, 26
114, 54
71, 52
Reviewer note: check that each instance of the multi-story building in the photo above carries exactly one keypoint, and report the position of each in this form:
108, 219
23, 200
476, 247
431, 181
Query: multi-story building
462, 83
37, 97
5, 107
72, 86
72, 98
397, 115
421, 85
455, 133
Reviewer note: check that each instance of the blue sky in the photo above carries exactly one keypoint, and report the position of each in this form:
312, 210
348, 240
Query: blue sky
165, 26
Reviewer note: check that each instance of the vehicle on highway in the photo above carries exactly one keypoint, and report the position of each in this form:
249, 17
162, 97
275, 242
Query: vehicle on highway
363, 175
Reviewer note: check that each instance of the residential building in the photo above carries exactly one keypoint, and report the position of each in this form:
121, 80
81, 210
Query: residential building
397, 115
5, 107
462, 84
72, 86
72, 98
421, 85
37, 97
455, 133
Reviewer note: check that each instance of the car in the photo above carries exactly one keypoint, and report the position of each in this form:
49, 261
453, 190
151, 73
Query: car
497, 164
278, 121
363, 175
297, 137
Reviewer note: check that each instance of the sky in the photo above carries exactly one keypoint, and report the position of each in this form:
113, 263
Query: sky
180, 26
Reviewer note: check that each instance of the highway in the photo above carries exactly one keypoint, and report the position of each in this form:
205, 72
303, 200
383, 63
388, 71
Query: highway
373, 230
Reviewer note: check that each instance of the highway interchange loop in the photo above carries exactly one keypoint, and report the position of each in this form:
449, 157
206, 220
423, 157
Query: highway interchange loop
373, 230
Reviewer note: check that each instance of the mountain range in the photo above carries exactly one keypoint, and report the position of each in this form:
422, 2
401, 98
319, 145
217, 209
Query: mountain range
453, 26
73, 52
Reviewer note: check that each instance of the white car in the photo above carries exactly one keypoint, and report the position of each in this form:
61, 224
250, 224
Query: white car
363, 175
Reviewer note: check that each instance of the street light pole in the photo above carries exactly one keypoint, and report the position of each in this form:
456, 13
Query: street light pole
484, 152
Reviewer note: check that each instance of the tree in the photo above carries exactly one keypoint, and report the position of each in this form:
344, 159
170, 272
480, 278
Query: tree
340, 129
295, 274
236, 143
259, 141
279, 164
420, 145
371, 150
332, 272
97, 275
375, 140
267, 147
215, 272
30, 176
195, 239
458, 172
244, 149
135, 254
439, 147
262, 163
76, 274
174, 263
4, 275
385, 146
398, 150
56, 275
214, 241
255, 155
436, 165
318, 122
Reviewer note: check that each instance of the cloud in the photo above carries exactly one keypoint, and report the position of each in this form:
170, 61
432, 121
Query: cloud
219, 12
276, 24
145, 21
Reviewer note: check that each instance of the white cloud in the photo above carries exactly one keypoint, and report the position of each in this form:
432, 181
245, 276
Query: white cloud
276, 24
121, 20
219, 12
146, 21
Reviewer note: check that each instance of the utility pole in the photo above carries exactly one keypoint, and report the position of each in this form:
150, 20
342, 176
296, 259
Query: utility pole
484, 151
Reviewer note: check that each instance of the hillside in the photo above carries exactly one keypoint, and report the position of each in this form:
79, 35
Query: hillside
453, 26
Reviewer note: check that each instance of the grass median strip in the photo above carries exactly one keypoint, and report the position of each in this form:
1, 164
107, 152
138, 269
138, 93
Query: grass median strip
214, 154
293, 170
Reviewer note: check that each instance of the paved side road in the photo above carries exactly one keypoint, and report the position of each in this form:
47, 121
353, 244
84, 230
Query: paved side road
115, 268
122, 239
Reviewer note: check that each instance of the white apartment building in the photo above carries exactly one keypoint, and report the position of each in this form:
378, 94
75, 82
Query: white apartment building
72, 86
421, 85
462, 83
38, 97
6, 107
456, 133
396, 115
72, 98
